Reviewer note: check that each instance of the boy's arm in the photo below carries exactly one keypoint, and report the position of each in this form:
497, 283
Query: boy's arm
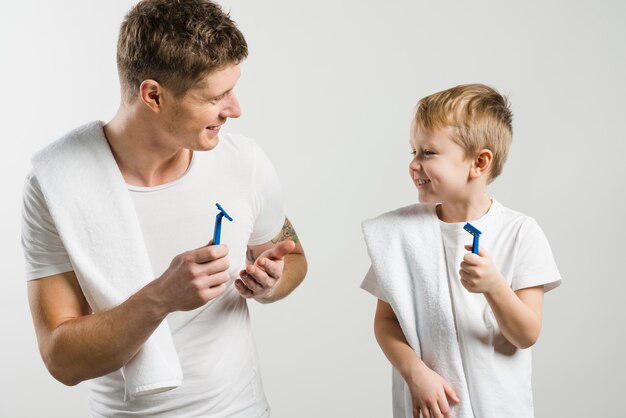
429, 391
518, 312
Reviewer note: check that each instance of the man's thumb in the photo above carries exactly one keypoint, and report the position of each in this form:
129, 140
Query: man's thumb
281, 249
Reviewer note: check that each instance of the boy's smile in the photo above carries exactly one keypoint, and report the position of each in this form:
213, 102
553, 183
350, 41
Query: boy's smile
439, 169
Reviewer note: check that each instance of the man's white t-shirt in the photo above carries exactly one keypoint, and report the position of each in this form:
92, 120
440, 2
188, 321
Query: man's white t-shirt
214, 342
498, 374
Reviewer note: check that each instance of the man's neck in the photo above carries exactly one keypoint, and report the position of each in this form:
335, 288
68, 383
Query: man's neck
140, 151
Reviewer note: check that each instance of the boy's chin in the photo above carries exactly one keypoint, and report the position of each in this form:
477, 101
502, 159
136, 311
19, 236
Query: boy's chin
426, 199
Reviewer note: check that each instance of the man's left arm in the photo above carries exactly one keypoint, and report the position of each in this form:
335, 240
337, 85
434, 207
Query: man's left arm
275, 268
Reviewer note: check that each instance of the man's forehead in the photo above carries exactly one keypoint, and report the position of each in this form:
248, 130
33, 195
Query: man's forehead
220, 80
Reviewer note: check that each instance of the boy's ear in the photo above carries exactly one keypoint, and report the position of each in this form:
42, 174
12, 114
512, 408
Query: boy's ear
481, 164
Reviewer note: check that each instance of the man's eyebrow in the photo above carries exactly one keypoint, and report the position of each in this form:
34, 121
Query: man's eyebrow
221, 94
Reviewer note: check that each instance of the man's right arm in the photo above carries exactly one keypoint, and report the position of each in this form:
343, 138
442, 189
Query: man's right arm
77, 345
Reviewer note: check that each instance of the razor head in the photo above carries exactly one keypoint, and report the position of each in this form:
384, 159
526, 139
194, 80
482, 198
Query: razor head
223, 212
472, 229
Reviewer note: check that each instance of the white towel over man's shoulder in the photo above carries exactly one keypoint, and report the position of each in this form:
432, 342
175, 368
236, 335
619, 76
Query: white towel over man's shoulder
409, 272
96, 220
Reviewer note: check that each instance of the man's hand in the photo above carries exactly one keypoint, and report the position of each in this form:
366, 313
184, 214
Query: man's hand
194, 278
478, 272
259, 279
431, 394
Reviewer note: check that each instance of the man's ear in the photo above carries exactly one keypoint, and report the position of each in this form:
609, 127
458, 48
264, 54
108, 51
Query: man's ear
151, 93
481, 164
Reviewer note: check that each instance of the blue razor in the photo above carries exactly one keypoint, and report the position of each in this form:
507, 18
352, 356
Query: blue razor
475, 233
217, 231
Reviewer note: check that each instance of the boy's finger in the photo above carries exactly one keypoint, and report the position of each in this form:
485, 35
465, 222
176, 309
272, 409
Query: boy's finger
481, 250
471, 259
450, 393
444, 407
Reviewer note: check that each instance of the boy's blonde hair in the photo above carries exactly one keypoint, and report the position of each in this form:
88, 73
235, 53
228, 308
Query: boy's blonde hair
478, 117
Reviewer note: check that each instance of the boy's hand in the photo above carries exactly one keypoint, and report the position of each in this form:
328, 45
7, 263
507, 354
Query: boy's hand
431, 394
478, 273
258, 280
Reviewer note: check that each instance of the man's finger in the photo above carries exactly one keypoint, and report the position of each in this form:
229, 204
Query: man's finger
215, 266
242, 289
209, 253
272, 268
281, 250
250, 282
260, 276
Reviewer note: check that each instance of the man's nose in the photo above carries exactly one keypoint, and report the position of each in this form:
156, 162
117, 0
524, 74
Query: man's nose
232, 109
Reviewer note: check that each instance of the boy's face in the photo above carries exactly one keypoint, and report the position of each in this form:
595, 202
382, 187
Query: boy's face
439, 169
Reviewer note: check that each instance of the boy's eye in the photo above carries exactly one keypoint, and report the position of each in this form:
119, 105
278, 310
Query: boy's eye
428, 152
413, 152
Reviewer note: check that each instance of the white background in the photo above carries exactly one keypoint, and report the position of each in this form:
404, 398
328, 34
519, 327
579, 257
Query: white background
328, 91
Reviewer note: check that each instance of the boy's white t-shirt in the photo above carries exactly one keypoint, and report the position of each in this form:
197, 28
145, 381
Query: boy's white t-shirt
498, 374
214, 342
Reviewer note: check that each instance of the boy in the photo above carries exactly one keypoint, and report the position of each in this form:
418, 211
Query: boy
455, 325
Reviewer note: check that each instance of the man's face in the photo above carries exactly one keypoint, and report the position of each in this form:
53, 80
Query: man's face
193, 121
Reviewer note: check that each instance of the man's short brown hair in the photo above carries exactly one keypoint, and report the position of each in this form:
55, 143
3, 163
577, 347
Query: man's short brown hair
478, 117
176, 43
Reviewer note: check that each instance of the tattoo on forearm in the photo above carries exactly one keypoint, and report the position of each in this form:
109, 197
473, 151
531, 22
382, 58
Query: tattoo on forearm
287, 233
250, 256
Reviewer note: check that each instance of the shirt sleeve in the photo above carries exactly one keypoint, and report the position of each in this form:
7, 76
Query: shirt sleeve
268, 200
370, 284
534, 264
44, 252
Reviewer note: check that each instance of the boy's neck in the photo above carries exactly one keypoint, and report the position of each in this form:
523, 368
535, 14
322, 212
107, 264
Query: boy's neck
464, 210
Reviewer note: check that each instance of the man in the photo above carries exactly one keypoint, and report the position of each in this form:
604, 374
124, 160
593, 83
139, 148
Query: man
178, 62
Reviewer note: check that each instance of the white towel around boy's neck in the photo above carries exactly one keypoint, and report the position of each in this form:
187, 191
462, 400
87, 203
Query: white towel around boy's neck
96, 220
406, 250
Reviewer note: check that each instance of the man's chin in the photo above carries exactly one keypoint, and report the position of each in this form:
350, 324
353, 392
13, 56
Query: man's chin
207, 144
